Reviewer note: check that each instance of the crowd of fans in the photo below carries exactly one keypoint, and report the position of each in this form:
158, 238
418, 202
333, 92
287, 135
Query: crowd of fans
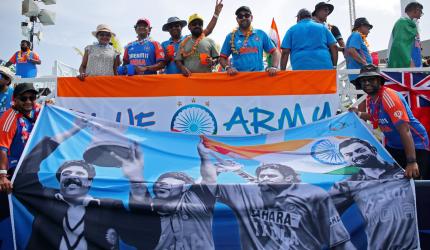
311, 44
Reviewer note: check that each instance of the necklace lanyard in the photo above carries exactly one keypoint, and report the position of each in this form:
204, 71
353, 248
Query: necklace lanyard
374, 113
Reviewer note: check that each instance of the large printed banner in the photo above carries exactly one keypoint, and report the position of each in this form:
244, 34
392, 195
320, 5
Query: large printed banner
86, 183
249, 103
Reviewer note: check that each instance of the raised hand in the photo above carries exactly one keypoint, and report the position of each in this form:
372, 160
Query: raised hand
132, 167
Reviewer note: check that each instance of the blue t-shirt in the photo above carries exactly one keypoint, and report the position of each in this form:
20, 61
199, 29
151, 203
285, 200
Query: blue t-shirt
250, 57
24, 68
144, 53
171, 67
5, 99
309, 44
355, 41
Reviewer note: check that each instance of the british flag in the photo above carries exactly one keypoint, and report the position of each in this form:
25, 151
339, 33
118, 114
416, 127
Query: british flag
415, 87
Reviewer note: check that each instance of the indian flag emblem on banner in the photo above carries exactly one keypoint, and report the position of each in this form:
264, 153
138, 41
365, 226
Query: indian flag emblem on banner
306, 155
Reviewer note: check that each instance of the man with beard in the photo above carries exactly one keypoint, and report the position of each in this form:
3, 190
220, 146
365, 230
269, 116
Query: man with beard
174, 26
6, 89
69, 217
25, 61
280, 212
186, 208
246, 45
384, 197
311, 45
197, 53
144, 56
320, 14
406, 138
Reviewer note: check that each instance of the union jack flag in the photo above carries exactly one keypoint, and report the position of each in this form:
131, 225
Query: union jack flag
415, 87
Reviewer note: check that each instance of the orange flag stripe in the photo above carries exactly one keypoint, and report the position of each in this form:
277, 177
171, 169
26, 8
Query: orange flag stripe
208, 84
250, 152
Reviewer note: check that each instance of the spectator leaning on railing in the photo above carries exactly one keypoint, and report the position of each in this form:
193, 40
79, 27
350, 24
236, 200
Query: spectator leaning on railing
25, 61
16, 125
246, 45
197, 53
406, 138
174, 26
100, 59
357, 48
311, 45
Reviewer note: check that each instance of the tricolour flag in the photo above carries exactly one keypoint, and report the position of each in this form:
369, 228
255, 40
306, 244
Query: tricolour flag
305, 155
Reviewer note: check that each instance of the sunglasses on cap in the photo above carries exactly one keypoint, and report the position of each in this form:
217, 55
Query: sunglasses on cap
242, 16
25, 98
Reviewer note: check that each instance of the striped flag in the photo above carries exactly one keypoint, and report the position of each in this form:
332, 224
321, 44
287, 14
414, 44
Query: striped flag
274, 36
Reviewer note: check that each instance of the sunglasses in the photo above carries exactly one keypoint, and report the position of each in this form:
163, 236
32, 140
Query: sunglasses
242, 16
25, 98
104, 34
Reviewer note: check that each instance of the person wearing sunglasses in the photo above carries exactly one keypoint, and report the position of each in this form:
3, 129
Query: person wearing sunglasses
101, 58
16, 125
246, 45
405, 46
406, 138
197, 53
174, 26
6, 89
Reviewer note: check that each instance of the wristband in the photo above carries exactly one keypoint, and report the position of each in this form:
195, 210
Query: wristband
359, 114
411, 160
3, 171
227, 67
216, 16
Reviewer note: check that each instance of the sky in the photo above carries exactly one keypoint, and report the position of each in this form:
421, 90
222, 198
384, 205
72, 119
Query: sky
76, 19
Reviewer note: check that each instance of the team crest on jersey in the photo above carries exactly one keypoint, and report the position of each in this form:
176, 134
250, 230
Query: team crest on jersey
256, 38
398, 114
146, 48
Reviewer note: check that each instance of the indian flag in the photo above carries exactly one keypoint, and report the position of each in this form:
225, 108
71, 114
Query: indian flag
274, 36
306, 155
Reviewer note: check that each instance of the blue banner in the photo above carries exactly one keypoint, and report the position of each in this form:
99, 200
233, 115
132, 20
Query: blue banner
85, 183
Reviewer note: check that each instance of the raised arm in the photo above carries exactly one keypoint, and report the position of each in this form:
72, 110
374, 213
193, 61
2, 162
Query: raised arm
211, 25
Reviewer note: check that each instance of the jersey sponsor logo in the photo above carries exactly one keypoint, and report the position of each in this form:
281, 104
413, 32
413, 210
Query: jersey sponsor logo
248, 50
398, 114
138, 55
383, 121
277, 217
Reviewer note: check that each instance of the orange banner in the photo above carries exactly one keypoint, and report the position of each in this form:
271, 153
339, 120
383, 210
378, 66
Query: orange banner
211, 84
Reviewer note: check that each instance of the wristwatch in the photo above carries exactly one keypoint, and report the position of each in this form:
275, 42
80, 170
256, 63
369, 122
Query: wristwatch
411, 160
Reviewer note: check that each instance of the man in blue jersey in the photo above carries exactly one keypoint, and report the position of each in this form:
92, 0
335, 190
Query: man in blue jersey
311, 45
174, 26
246, 45
145, 54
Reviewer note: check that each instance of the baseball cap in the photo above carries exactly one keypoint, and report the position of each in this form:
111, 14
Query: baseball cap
144, 20
22, 88
243, 8
193, 17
